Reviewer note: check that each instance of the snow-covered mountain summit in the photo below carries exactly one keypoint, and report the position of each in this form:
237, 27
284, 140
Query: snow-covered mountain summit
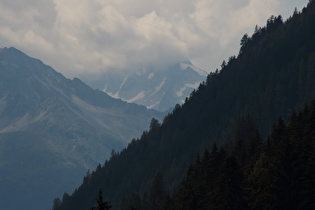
160, 90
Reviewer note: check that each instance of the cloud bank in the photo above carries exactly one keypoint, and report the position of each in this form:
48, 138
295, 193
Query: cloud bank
92, 36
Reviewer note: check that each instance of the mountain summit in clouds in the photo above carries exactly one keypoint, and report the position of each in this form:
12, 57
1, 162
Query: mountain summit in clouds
160, 90
100, 35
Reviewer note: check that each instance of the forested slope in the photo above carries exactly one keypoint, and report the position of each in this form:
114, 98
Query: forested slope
278, 173
273, 75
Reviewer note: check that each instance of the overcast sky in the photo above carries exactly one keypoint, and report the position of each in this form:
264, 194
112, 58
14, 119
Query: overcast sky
91, 36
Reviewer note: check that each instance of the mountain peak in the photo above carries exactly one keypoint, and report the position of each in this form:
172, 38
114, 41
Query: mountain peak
188, 65
187, 61
69, 126
10, 50
160, 90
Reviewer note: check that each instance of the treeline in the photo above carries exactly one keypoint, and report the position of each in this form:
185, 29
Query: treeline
273, 75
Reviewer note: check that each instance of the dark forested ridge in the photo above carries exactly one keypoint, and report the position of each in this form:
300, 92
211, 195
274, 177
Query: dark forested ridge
278, 173
273, 75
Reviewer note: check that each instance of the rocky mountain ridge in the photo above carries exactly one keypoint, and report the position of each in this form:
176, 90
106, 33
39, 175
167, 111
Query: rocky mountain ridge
158, 89
66, 125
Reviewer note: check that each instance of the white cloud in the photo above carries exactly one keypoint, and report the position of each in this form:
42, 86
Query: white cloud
90, 36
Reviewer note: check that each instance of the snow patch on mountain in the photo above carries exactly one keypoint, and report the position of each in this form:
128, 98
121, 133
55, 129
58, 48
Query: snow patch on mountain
116, 95
113, 95
194, 86
105, 88
180, 93
139, 96
158, 88
154, 105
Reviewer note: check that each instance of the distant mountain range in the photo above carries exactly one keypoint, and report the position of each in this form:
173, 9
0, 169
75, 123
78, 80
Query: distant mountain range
53, 129
156, 89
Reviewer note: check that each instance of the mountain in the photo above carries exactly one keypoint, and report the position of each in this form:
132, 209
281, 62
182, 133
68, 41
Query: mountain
156, 89
53, 129
273, 75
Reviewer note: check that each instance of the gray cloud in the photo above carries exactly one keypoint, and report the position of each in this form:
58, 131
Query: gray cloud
91, 36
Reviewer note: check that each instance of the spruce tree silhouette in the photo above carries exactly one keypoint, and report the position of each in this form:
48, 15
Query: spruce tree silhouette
101, 205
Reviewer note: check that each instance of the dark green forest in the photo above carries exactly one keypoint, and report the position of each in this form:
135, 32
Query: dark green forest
256, 151
278, 173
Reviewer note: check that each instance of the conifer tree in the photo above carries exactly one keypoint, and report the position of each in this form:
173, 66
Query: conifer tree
229, 192
157, 193
101, 205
